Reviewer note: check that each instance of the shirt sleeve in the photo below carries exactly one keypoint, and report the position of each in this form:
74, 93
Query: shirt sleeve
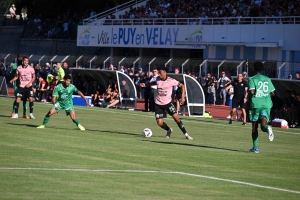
251, 84
55, 92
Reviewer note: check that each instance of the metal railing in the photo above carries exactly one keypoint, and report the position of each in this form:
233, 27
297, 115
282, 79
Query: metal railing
198, 67
202, 21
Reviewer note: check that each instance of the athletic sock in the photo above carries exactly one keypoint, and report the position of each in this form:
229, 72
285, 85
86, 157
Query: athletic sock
25, 106
14, 107
76, 122
46, 120
181, 126
17, 107
31, 107
255, 140
265, 128
165, 126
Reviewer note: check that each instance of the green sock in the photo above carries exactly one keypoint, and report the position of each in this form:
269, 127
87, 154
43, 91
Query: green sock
255, 140
265, 128
13, 108
76, 122
46, 120
25, 106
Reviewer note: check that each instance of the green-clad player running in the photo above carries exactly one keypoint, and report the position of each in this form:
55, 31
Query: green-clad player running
62, 100
261, 89
16, 84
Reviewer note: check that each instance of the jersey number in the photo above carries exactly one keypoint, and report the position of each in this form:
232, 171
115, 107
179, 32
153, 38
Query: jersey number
263, 89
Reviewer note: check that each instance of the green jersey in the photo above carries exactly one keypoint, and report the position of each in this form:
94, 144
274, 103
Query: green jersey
64, 95
263, 87
13, 70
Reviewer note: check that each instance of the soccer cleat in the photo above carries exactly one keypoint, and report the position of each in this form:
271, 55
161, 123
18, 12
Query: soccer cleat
41, 126
270, 132
31, 116
244, 124
230, 121
81, 127
188, 137
25, 117
254, 150
15, 116
169, 133
228, 117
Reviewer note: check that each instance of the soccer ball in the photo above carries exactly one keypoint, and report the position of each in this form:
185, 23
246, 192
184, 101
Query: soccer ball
147, 132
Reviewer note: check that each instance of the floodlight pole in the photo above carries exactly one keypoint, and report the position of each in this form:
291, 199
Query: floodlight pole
78, 60
279, 69
40, 60
65, 58
121, 62
92, 61
150, 63
133, 64
105, 62
219, 67
200, 67
168, 62
52, 59
184, 64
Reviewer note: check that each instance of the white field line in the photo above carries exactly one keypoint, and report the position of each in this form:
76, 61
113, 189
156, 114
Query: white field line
152, 116
157, 172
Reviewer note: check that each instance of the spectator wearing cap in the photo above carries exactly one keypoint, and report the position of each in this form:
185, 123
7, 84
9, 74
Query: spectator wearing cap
245, 75
223, 82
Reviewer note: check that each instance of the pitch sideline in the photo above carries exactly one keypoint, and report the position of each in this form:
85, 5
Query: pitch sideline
157, 172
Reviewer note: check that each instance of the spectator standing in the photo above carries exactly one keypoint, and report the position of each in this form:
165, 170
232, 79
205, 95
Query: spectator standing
147, 90
224, 81
153, 89
24, 11
66, 68
12, 11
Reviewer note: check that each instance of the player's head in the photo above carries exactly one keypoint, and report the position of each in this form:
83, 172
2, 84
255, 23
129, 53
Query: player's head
162, 70
258, 66
25, 61
67, 79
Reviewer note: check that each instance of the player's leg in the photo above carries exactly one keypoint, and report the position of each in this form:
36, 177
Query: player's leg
254, 116
51, 112
25, 107
265, 117
159, 115
172, 111
14, 103
30, 95
18, 99
235, 104
72, 114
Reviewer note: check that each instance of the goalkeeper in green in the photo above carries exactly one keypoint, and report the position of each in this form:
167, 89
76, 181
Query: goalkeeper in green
16, 84
62, 100
261, 89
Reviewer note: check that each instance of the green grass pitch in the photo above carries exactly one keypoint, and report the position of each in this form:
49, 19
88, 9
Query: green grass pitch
111, 159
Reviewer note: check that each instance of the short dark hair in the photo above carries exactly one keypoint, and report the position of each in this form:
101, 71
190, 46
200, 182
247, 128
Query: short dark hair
67, 76
162, 68
258, 66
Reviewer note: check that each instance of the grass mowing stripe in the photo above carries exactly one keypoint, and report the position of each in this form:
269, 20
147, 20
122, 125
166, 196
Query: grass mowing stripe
128, 113
161, 172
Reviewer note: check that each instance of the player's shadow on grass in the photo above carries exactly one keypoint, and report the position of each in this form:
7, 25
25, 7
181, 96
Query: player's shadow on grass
194, 145
115, 132
29, 125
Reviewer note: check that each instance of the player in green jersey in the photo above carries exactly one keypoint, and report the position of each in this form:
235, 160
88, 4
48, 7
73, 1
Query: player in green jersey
261, 89
62, 100
16, 84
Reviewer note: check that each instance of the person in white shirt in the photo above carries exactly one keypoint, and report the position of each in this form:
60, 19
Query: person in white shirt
153, 89
12, 12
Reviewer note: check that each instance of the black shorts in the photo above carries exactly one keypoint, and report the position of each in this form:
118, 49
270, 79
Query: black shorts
236, 102
160, 110
25, 92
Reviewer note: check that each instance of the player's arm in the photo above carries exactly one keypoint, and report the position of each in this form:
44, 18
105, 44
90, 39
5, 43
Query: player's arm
227, 88
15, 78
82, 96
181, 101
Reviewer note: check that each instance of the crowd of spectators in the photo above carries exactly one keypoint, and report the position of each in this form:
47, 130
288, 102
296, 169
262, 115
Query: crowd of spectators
228, 12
